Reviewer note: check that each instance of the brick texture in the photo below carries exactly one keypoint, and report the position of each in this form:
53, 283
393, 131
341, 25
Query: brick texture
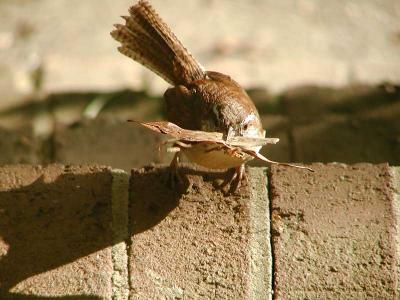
374, 139
18, 146
55, 232
333, 232
396, 205
108, 141
310, 102
191, 245
68, 232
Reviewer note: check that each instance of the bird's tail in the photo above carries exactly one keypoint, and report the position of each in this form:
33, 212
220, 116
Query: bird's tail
148, 40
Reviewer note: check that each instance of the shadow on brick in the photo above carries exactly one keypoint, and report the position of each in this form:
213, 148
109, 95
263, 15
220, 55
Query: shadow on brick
55, 235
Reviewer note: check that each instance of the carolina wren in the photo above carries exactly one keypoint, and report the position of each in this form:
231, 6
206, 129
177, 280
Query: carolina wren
199, 99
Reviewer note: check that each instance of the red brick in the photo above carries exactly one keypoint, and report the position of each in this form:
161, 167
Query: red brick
108, 141
307, 103
19, 146
371, 138
333, 232
55, 235
396, 180
194, 245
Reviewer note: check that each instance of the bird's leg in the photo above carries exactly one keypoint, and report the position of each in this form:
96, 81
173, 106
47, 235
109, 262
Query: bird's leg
235, 180
174, 177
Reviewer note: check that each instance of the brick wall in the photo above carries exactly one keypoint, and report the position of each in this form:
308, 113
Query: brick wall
91, 232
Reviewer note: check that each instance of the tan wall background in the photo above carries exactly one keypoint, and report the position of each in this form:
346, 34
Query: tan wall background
274, 44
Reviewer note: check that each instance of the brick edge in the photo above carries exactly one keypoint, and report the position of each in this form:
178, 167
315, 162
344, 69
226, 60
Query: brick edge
396, 209
260, 237
120, 223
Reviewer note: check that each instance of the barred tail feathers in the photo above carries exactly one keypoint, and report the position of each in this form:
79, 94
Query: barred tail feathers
148, 40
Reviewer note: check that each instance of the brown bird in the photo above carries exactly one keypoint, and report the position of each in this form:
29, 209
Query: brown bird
199, 99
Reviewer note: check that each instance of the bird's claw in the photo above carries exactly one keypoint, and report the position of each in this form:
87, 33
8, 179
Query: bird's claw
235, 180
175, 179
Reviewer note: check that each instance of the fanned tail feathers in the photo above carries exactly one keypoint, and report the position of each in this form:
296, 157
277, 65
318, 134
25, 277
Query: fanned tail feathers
148, 40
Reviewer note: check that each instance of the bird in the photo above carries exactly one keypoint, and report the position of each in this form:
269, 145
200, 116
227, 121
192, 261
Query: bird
197, 99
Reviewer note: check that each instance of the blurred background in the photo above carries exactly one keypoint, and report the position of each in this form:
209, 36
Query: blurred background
325, 76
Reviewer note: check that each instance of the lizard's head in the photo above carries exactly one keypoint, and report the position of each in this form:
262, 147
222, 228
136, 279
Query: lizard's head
251, 126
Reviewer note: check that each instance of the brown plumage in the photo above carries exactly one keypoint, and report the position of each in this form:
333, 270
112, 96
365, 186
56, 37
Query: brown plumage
149, 41
199, 99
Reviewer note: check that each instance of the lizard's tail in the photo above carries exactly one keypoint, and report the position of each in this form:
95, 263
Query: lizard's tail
148, 40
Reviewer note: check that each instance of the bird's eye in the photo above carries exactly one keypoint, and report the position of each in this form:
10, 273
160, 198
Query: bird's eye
245, 126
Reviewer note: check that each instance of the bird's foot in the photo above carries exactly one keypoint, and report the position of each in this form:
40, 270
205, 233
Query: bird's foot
174, 177
234, 179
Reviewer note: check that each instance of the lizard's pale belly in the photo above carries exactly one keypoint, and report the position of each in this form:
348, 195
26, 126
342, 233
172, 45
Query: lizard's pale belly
205, 156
